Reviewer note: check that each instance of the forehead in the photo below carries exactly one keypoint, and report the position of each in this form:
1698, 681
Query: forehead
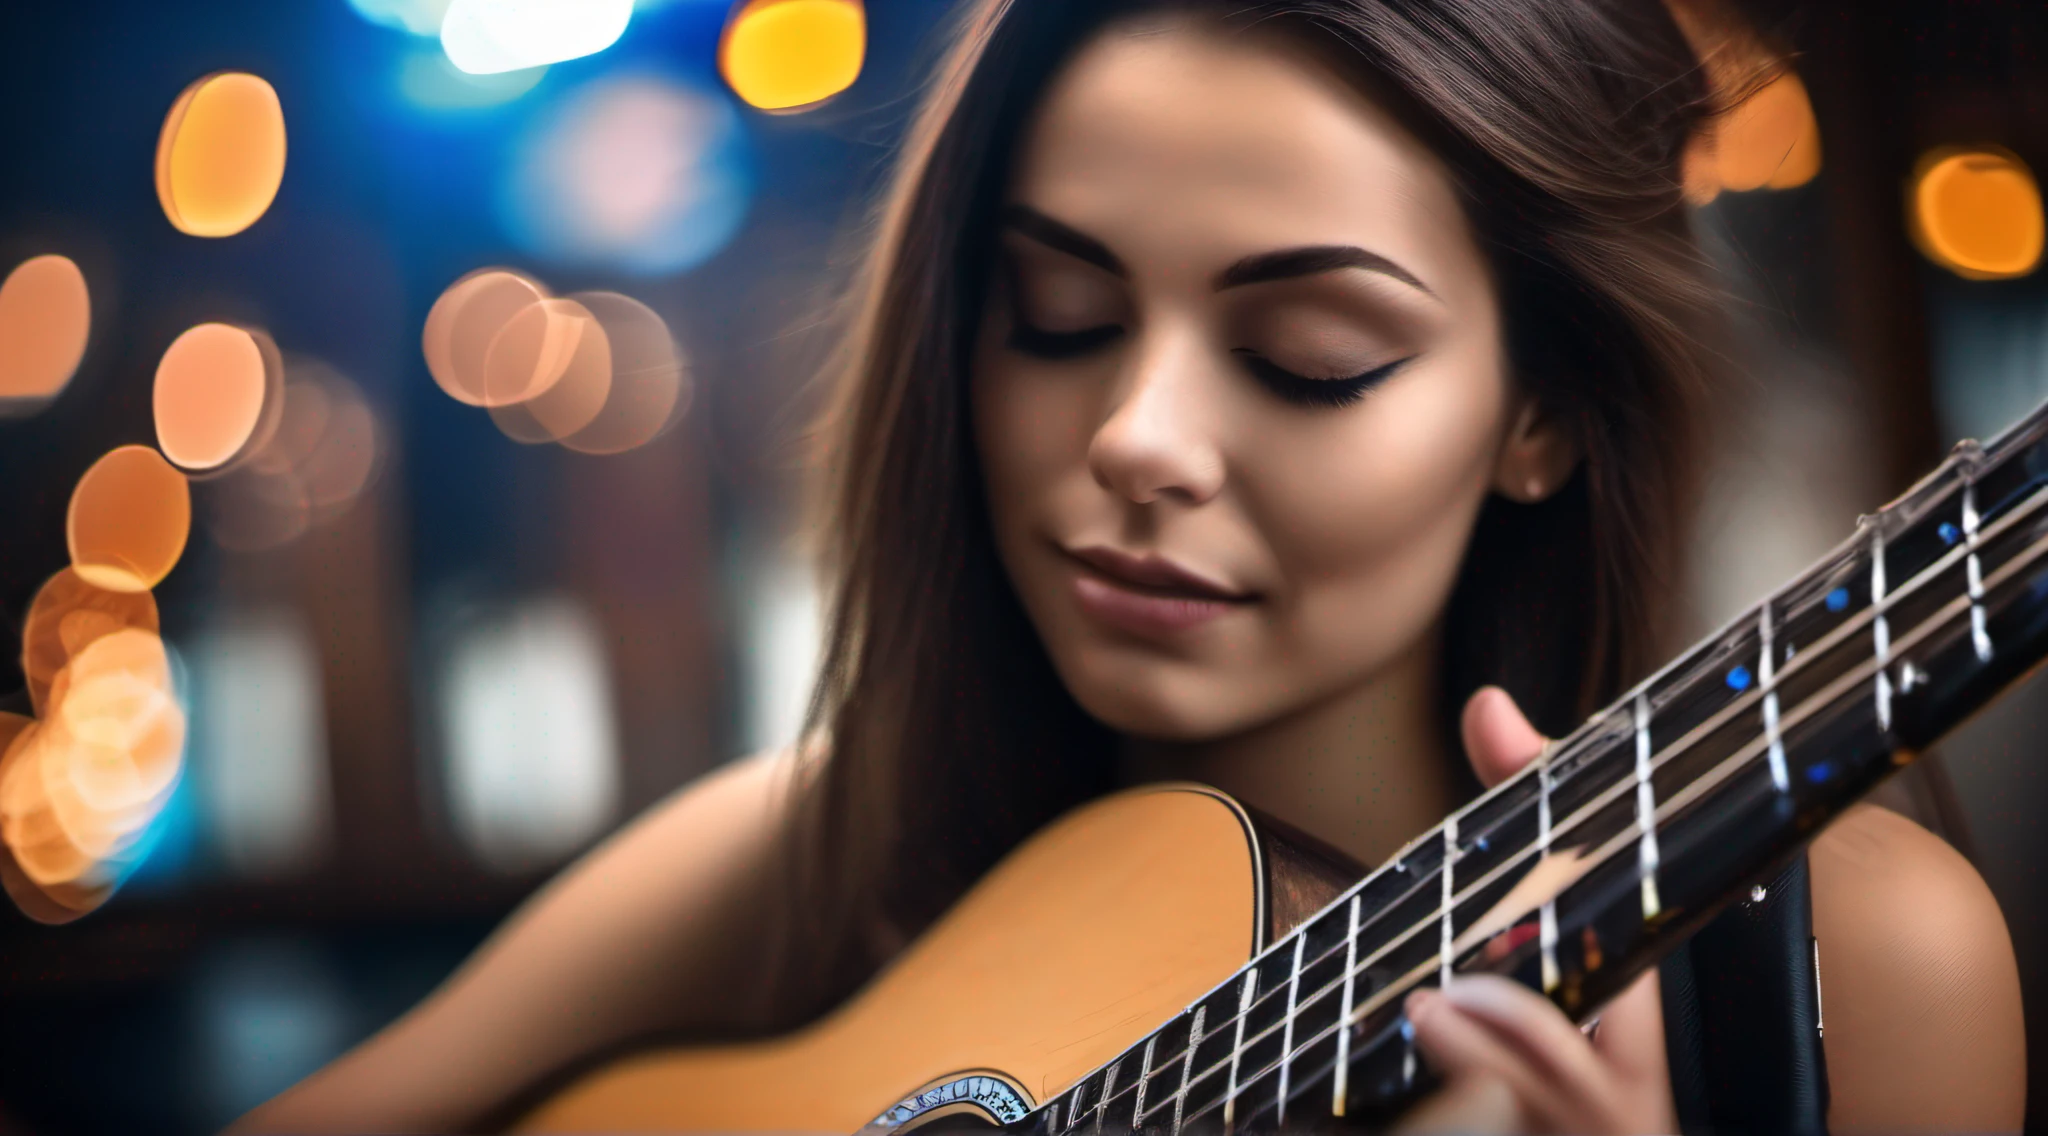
1176, 142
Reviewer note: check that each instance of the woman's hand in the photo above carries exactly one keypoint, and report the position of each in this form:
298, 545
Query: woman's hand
1511, 1061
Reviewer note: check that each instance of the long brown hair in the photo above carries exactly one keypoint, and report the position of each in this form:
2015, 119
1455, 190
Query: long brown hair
950, 737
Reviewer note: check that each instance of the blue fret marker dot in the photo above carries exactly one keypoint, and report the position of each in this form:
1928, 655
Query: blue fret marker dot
1820, 771
1949, 533
1738, 678
1481, 844
1838, 599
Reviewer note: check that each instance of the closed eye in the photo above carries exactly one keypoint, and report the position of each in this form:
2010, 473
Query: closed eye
1304, 391
1043, 344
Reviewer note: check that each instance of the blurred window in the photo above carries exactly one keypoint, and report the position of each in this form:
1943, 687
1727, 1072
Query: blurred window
259, 749
531, 742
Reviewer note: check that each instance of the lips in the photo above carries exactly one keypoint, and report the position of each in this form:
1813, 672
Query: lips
1148, 595
1155, 573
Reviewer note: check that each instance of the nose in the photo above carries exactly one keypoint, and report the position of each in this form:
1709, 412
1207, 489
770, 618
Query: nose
1154, 442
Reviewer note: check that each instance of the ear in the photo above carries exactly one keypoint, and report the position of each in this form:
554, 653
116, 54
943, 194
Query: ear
1537, 455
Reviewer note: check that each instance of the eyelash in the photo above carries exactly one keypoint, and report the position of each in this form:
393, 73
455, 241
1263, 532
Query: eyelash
1297, 389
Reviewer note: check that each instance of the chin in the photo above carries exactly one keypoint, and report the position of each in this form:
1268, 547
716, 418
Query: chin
1154, 702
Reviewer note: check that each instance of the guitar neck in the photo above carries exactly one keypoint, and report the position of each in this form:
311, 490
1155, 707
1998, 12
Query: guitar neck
1645, 821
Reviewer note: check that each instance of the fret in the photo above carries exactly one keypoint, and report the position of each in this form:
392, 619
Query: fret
1445, 908
1052, 1117
1547, 918
1338, 1090
1766, 677
1108, 1091
1980, 637
1187, 1066
1802, 719
1075, 1109
1144, 1080
1244, 1005
1880, 630
1287, 1028
1646, 811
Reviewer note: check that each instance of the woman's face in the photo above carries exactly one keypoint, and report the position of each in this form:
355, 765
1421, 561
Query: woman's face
1240, 389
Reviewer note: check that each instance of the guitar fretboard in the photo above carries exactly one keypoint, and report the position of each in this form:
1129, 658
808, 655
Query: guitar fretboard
1673, 800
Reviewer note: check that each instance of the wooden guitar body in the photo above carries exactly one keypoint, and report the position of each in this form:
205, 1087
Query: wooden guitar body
1081, 942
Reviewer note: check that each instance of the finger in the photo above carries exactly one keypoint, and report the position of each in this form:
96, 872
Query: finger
1460, 1046
1631, 1035
1537, 1032
1498, 739
1478, 1104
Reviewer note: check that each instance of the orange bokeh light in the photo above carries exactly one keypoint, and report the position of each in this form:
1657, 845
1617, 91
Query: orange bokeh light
464, 321
80, 786
789, 55
1771, 140
318, 461
549, 372
129, 519
45, 317
213, 388
649, 384
220, 158
67, 616
1977, 213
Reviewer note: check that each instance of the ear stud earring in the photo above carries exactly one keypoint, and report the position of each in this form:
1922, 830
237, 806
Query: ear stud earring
1533, 491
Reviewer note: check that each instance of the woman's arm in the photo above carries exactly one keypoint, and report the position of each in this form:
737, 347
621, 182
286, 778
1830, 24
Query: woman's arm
658, 928
1920, 992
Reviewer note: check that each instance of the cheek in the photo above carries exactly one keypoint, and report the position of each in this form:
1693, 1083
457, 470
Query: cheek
1029, 430
1369, 522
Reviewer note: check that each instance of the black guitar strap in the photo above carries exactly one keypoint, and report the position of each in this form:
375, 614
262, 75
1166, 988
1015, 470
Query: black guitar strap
1742, 1017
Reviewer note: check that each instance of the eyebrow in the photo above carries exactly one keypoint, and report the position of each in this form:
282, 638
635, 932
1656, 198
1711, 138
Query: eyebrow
1060, 236
1259, 268
1286, 264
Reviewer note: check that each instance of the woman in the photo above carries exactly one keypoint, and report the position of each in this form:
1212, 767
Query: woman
1235, 388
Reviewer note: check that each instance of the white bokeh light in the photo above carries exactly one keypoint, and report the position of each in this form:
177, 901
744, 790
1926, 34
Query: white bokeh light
532, 755
484, 37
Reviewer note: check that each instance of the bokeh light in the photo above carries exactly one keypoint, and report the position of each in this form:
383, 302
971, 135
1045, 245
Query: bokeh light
129, 519
787, 55
419, 17
216, 391
463, 322
650, 388
598, 372
484, 37
1977, 212
636, 173
80, 787
429, 80
321, 458
549, 372
1771, 140
45, 316
220, 159
68, 615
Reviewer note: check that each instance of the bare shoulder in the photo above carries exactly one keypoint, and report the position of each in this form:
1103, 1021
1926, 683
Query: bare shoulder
1920, 990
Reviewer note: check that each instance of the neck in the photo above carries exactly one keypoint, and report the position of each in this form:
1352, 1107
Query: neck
1365, 770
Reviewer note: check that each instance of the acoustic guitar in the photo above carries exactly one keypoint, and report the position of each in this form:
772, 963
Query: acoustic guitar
1036, 1004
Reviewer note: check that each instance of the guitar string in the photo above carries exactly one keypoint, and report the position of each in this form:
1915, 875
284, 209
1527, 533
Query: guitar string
1849, 629
1949, 614
1842, 633
1805, 709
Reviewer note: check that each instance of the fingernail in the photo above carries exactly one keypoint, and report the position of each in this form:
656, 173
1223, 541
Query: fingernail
1419, 1004
1479, 991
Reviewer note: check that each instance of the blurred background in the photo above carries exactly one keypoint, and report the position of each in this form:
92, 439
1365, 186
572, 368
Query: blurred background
397, 462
